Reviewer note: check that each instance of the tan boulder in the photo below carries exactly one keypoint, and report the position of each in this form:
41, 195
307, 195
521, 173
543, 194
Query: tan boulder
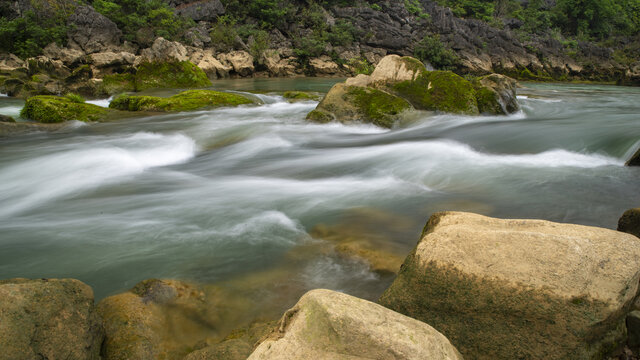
324, 66
67, 55
535, 288
10, 62
105, 59
164, 50
45, 65
241, 61
394, 68
48, 319
328, 325
276, 65
504, 89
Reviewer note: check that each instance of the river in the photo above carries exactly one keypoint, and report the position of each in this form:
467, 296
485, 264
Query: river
238, 196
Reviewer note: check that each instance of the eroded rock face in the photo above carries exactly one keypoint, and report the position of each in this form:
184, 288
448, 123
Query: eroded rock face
165, 51
70, 57
326, 324
48, 319
241, 61
92, 31
207, 10
630, 222
536, 289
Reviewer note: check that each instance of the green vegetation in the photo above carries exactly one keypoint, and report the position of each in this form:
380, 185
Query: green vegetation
378, 107
431, 49
361, 66
300, 95
26, 36
185, 101
170, 75
55, 109
78, 99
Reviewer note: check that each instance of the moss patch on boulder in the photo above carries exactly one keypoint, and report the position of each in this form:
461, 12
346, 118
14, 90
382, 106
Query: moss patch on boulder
177, 75
440, 91
118, 83
301, 96
185, 101
55, 109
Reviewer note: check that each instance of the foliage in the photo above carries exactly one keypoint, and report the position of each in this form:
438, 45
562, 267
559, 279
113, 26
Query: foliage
478, 9
259, 42
361, 66
431, 49
26, 36
132, 15
414, 7
224, 33
75, 98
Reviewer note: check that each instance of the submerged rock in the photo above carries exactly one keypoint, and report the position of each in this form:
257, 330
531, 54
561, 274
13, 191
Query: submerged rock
406, 80
185, 101
326, 324
48, 319
630, 222
501, 289
55, 109
6, 118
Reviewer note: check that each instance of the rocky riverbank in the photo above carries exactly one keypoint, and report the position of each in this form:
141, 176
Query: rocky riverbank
495, 288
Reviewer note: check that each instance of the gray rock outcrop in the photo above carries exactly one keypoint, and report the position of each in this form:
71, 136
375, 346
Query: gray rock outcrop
92, 31
630, 222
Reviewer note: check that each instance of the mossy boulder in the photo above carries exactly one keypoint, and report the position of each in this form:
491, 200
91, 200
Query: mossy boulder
55, 109
326, 324
175, 75
301, 96
520, 289
48, 319
440, 91
6, 118
185, 101
359, 104
630, 222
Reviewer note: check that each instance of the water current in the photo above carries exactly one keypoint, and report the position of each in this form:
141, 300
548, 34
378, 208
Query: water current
238, 196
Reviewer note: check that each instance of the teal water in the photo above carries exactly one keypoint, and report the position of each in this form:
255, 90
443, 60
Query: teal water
232, 195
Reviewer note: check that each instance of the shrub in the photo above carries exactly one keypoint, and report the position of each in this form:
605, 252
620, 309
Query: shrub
26, 36
430, 49
75, 98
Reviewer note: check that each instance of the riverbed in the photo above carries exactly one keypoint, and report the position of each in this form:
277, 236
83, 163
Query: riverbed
242, 197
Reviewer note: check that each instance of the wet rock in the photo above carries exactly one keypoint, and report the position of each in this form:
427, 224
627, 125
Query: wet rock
635, 159
185, 101
496, 94
537, 289
165, 51
18, 128
175, 75
294, 96
6, 118
48, 319
165, 319
241, 61
630, 222
329, 325
92, 31
55, 109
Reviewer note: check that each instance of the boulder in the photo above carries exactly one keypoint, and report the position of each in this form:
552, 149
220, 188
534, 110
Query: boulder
6, 118
326, 324
324, 66
233, 349
55, 109
496, 94
207, 10
92, 31
241, 61
276, 65
205, 60
185, 101
359, 104
48, 319
45, 65
633, 329
17, 128
69, 57
630, 222
165, 51
10, 62
177, 75
634, 160
106, 59
165, 319
394, 68
502, 289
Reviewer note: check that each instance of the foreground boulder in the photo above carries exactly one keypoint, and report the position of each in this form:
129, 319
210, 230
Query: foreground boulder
55, 109
48, 319
165, 319
326, 324
185, 101
630, 222
520, 289
635, 159
404, 79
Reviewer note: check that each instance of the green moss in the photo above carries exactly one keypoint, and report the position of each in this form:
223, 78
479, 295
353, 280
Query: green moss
319, 116
441, 91
379, 107
118, 83
414, 65
82, 72
75, 98
170, 75
520, 323
54, 109
488, 101
185, 101
300, 95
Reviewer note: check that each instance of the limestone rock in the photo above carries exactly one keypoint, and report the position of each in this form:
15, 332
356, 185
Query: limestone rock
630, 222
10, 62
207, 10
501, 91
105, 59
241, 61
48, 319
635, 159
536, 289
276, 65
394, 68
324, 66
165, 51
93, 31
210, 65
45, 65
70, 57
329, 325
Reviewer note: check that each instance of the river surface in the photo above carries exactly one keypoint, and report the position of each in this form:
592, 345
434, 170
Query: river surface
238, 196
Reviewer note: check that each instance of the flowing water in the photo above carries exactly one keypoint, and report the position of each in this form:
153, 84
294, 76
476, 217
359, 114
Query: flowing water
237, 196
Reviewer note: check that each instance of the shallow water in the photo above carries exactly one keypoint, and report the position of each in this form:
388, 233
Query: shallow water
234, 196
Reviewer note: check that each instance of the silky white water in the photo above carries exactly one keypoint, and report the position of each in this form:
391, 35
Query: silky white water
234, 194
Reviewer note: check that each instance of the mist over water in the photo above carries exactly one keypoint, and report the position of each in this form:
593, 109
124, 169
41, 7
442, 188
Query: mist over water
230, 195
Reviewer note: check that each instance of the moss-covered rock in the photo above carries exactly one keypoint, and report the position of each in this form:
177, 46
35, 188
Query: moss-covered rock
440, 91
496, 94
301, 96
364, 104
55, 109
520, 289
185, 101
6, 118
630, 222
175, 75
